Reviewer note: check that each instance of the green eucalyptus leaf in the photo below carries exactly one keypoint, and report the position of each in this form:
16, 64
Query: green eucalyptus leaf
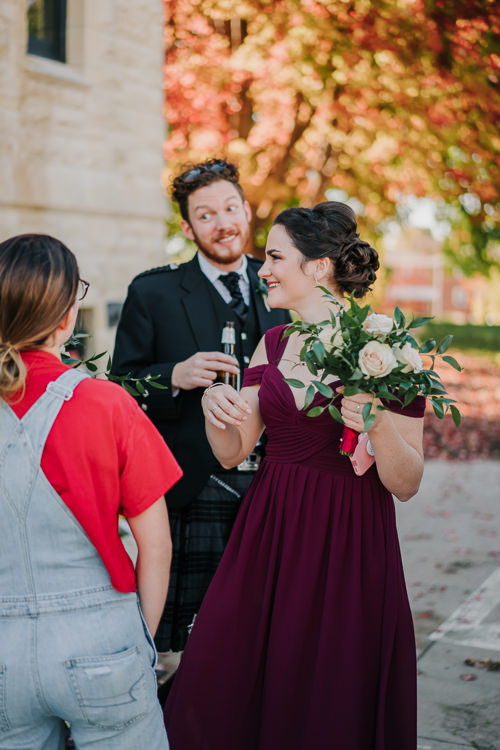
311, 364
438, 409
427, 346
366, 410
457, 417
91, 366
383, 391
293, 383
95, 356
351, 389
325, 390
335, 413
438, 387
363, 313
368, 422
327, 293
157, 385
316, 411
453, 362
130, 389
399, 317
319, 351
412, 341
119, 378
391, 396
409, 397
310, 393
445, 344
418, 322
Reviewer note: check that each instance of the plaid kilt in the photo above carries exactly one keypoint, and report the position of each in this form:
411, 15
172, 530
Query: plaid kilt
200, 532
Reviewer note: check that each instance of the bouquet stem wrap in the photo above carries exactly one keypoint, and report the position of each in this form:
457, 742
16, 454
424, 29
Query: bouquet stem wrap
348, 441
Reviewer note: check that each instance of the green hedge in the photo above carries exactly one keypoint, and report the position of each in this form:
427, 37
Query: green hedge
465, 337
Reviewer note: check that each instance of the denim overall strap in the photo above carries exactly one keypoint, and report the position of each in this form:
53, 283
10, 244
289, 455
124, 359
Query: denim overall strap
52, 563
38, 421
30, 433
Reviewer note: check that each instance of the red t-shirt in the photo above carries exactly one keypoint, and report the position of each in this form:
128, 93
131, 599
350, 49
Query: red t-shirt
103, 457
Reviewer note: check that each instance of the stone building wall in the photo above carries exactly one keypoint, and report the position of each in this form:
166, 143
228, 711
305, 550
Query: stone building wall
81, 144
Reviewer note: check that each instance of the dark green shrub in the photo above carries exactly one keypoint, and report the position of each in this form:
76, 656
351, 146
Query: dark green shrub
466, 337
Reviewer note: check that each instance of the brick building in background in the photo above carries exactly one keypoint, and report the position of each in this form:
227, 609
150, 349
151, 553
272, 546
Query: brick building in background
81, 137
417, 280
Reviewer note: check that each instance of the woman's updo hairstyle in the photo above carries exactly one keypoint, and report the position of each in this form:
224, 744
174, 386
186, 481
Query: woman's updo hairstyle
38, 286
329, 230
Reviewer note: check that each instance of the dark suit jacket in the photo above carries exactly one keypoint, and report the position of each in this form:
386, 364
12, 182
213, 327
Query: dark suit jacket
168, 316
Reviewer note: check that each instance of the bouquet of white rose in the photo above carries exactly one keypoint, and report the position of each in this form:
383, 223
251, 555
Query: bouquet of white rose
370, 353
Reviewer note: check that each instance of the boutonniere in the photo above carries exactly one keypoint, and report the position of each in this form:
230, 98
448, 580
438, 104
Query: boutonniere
263, 290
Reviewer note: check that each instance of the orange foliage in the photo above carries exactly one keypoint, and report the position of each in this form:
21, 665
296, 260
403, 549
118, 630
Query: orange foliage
375, 98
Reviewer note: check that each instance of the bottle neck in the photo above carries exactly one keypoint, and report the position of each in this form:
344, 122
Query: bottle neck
228, 336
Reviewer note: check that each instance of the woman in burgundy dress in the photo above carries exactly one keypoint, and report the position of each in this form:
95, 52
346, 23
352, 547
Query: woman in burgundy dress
305, 638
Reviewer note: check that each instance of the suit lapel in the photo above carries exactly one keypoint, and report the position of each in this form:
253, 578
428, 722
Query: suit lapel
199, 308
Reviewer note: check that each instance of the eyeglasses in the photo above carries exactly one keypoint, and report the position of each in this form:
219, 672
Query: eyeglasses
83, 287
192, 174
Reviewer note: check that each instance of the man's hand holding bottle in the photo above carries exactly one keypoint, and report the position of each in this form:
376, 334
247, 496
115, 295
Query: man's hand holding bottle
203, 368
200, 370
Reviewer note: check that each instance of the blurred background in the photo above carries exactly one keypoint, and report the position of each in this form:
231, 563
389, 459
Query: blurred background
393, 107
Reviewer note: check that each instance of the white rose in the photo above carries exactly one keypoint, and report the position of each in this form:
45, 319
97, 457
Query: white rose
331, 337
408, 356
378, 325
376, 360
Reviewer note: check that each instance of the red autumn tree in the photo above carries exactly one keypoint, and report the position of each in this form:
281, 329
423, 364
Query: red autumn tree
379, 99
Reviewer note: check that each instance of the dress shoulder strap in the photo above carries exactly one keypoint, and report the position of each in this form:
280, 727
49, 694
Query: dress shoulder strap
275, 343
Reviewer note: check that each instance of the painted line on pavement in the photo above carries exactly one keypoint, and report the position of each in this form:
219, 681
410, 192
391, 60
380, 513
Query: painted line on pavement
477, 621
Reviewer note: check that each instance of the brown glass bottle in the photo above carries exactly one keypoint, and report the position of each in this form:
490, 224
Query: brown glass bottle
228, 346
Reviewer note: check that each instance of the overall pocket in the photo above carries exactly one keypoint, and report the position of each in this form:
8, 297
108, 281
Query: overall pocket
112, 690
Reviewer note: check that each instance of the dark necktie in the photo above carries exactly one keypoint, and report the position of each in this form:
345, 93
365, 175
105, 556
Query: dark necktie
231, 281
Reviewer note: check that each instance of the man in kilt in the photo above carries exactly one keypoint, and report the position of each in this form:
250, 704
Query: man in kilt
171, 326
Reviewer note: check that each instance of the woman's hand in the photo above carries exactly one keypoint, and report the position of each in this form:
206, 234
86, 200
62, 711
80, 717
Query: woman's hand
223, 405
352, 409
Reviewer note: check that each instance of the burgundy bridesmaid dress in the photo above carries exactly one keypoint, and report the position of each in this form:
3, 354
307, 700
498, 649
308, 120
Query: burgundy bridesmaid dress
305, 638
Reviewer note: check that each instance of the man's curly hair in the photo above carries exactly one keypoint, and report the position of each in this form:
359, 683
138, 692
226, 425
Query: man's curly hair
194, 176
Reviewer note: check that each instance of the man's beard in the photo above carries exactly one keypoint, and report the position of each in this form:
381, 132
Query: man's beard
228, 257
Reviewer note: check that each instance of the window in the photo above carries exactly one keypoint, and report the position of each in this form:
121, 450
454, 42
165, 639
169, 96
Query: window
47, 28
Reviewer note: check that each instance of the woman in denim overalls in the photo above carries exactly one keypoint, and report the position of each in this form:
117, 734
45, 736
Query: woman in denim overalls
73, 649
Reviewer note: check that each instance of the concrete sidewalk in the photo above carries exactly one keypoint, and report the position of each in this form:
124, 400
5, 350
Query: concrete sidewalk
450, 540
